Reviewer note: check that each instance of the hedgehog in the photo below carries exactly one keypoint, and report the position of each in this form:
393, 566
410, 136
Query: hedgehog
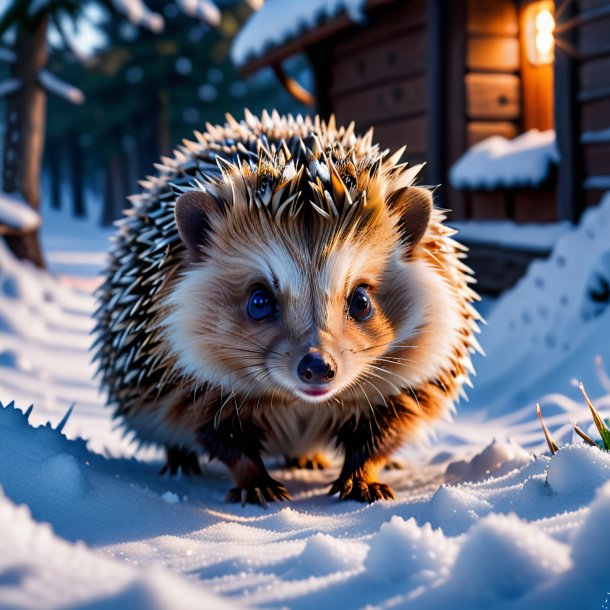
281, 288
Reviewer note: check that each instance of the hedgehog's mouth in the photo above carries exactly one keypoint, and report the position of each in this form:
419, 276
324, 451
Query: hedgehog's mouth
313, 393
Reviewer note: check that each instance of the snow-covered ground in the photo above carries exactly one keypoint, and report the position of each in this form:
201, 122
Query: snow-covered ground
483, 517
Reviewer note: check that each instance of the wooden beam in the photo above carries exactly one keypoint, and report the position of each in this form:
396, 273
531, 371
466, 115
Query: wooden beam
567, 124
436, 96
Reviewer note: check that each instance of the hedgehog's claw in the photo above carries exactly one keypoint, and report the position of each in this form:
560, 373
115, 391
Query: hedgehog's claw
261, 494
354, 488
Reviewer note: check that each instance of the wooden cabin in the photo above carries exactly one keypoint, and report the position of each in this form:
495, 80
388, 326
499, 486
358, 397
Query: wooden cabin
442, 75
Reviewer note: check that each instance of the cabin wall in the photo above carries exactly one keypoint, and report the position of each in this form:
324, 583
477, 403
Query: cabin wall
492, 80
592, 37
377, 77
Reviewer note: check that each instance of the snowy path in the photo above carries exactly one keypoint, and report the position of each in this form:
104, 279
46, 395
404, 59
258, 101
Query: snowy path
526, 538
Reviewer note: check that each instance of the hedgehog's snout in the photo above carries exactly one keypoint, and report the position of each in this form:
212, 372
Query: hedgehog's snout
317, 369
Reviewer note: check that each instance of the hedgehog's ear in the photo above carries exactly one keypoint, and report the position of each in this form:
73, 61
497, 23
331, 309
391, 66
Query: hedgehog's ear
413, 205
193, 212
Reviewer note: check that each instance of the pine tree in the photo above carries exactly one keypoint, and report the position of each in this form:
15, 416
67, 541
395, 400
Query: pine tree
30, 82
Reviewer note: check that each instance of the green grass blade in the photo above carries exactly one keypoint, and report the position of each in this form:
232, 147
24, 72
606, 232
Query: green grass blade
603, 430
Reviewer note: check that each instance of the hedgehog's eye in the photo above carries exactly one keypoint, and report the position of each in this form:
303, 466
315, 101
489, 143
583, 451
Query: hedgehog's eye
261, 305
360, 307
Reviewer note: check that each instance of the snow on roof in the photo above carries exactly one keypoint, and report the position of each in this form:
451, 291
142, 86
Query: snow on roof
498, 162
279, 21
598, 182
592, 137
17, 214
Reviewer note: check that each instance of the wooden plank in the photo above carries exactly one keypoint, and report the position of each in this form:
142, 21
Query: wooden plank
497, 268
493, 96
391, 59
596, 115
594, 37
488, 205
595, 74
479, 130
531, 205
597, 159
587, 5
593, 196
493, 54
382, 103
379, 26
492, 17
412, 132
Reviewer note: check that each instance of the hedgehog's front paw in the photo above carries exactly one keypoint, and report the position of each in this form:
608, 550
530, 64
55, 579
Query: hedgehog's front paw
259, 492
354, 488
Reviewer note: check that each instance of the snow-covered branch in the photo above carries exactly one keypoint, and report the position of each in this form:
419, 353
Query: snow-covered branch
8, 86
17, 214
204, 10
7, 56
51, 84
139, 14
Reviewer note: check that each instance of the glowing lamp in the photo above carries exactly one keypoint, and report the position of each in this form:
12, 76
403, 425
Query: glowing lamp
539, 26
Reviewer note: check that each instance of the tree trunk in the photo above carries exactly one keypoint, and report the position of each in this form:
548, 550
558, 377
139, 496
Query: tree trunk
76, 176
164, 134
54, 169
114, 196
24, 139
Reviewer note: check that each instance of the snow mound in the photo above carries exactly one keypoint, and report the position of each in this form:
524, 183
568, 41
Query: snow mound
494, 163
279, 21
578, 470
503, 558
552, 325
496, 459
401, 552
39, 570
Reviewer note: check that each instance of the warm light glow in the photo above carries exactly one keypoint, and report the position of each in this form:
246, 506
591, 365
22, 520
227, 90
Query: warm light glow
544, 43
545, 21
539, 27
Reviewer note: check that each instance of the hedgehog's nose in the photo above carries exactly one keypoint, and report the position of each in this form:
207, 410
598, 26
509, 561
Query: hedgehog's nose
314, 368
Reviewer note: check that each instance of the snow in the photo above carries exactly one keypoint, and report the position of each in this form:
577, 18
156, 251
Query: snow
497, 162
593, 137
483, 518
528, 236
9, 86
554, 326
598, 182
56, 86
279, 21
17, 214
203, 10
139, 14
